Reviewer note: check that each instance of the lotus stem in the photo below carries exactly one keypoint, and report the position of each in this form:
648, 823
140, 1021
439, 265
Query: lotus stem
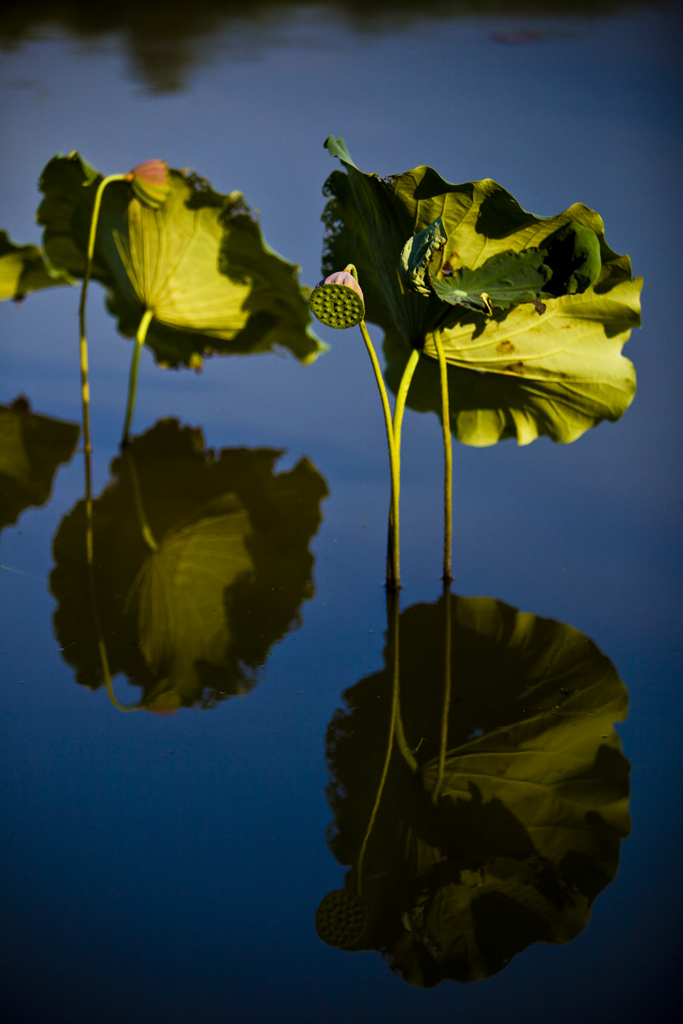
399, 408
133, 378
393, 559
445, 711
393, 645
448, 462
85, 387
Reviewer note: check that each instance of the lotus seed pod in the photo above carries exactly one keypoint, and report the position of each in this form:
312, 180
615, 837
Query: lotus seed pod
341, 919
338, 301
150, 181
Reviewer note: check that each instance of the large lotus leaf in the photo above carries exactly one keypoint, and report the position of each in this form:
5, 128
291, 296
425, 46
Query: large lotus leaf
31, 449
546, 367
24, 269
199, 263
533, 803
192, 621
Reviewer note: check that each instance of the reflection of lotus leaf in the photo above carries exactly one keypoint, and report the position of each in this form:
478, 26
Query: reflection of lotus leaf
31, 449
191, 621
199, 263
181, 618
533, 367
532, 806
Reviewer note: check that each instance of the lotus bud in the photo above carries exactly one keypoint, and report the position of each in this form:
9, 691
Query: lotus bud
150, 181
338, 301
341, 919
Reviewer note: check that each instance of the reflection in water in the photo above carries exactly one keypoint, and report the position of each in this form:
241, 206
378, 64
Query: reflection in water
504, 792
31, 449
164, 43
201, 565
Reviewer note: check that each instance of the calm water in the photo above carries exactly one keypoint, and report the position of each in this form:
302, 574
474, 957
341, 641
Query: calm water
165, 868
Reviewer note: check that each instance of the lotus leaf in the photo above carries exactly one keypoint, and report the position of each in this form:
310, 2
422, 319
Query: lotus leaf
24, 269
31, 449
532, 311
189, 615
198, 262
533, 803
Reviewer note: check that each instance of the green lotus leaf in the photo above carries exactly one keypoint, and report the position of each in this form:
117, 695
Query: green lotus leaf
201, 565
24, 269
31, 449
540, 307
532, 804
198, 262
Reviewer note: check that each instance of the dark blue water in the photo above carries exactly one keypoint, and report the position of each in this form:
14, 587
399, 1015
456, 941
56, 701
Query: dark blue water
166, 868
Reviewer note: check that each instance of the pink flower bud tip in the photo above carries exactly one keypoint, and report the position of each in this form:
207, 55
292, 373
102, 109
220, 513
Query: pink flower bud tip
343, 277
150, 181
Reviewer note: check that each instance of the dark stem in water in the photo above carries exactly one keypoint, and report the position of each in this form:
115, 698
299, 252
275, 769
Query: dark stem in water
448, 644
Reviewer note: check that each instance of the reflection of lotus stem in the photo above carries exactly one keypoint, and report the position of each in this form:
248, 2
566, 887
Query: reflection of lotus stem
104, 660
448, 460
448, 633
393, 560
392, 621
147, 534
402, 743
133, 379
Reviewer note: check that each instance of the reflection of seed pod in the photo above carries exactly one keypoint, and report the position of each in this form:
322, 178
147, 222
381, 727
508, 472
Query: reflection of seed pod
340, 919
338, 301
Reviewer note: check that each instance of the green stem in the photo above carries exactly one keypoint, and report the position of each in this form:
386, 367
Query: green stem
399, 409
133, 378
402, 396
393, 565
85, 388
392, 620
448, 644
448, 462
